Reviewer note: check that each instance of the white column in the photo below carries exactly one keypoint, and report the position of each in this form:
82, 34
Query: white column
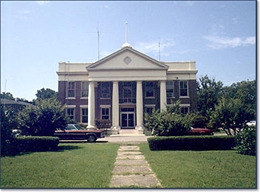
91, 105
139, 106
163, 100
115, 106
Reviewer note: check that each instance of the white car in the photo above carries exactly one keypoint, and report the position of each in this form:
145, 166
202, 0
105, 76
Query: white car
251, 123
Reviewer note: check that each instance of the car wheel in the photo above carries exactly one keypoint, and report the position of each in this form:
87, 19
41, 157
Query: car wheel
91, 138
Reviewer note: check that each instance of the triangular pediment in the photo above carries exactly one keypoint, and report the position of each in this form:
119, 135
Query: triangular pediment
127, 58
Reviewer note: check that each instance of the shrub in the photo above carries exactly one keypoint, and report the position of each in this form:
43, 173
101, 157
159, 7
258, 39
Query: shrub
44, 119
192, 143
166, 123
246, 141
36, 143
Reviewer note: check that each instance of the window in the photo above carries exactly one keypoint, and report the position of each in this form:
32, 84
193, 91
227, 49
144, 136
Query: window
105, 89
149, 89
184, 110
71, 89
84, 115
149, 110
105, 113
71, 113
169, 89
183, 88
84, 89
127, 92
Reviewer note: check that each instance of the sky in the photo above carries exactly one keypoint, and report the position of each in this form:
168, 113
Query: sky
36, 35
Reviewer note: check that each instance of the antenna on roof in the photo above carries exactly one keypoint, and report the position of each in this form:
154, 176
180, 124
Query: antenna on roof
126, 32
98, 42
126, 44
159, 50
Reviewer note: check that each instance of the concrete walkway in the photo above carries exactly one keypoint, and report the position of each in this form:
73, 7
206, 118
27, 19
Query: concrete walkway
132, 170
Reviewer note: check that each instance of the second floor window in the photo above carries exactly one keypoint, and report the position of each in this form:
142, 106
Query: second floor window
149, 89
105, 89
169, 89
71, 89
183, 88
84, 89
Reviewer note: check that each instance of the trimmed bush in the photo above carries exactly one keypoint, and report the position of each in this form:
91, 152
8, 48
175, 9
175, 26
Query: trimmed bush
192, 143
37, 143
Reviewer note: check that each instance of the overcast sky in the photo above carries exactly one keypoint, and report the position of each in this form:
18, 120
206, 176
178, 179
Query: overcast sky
35, 35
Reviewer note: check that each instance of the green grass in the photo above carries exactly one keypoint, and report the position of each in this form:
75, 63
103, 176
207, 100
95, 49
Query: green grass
202, 169
83, 165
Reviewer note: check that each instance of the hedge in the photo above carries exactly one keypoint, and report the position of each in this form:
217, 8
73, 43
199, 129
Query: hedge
36, 143
192, 143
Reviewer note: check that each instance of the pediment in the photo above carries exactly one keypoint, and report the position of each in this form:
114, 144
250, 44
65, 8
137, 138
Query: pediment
127, 58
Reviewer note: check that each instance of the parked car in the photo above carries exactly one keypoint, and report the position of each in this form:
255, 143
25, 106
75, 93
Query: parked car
76, 132
200, 131
251, 123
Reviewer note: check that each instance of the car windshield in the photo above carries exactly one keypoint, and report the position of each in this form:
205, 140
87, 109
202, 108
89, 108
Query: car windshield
79, 127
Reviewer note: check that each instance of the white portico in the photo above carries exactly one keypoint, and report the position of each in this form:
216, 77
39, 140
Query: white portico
126, 65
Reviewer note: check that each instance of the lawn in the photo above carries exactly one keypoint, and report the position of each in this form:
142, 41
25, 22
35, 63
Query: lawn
81, 165
202, 169
90, 165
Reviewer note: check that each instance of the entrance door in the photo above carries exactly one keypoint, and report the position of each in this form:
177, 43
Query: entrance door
127, 119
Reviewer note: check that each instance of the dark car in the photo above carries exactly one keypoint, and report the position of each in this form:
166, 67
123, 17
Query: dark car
76, 132
200, 131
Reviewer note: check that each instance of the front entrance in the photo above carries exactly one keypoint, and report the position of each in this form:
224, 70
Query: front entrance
127, 119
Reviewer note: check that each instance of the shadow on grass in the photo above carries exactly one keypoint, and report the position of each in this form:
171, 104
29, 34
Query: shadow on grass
67, 147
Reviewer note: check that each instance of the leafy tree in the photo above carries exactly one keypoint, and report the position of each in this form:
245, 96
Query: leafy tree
44, 119
208, 94
169, 122
7, 95
246, 92
6, 125
230, 115
46, 94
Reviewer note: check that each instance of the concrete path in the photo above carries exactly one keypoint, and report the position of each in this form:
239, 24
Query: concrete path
132, 170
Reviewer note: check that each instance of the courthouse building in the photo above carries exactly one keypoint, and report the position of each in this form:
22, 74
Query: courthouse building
123, 86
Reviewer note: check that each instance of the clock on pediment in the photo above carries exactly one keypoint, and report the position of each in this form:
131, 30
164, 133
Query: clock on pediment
127, 60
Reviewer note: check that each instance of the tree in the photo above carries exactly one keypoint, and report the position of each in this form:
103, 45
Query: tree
208, 93
44, 119
229, 114
7, 95
46, 94
168, 122
246, 92
6, 125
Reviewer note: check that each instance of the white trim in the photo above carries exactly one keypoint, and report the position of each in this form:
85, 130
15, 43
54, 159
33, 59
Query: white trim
184, 105
70, 106
83, 106
71, 98
149, 105
105, 106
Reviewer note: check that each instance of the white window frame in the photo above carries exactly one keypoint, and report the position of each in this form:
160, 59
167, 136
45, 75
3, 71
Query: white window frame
101, 111
184, 96
84, 89
172, 89
81, 115
68, 89
69, 107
